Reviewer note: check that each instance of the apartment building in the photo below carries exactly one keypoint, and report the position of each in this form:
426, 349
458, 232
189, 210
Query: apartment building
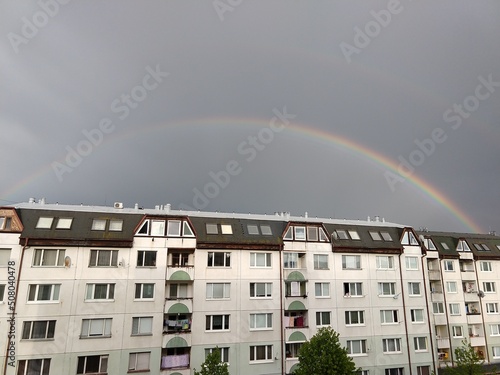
114, 290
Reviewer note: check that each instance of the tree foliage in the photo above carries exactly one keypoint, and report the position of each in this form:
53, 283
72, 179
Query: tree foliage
323, 355
467, 361
213, 365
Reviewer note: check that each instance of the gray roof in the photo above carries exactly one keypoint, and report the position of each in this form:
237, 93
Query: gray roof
451, 239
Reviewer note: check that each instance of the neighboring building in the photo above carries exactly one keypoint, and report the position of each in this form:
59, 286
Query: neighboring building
103, 290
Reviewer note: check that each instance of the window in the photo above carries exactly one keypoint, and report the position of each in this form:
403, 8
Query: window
5, 223
386, 236
178, 291
103, 258
354, 318
449, 265
2, 291
451, 286
437, 307
394, 371
261, 321
92, 364
457, 331
495, 330
64, 223
44, 223
174, 228
485, 266
454, 309
385, 262
322, 289
212, 229
48, 258
389, 316
290, 260
33, 366
409, 239
354, 235
226, 229
186, 229
266, 230
139, 361
38, 330
429, 244
361, 372
4, 257
96, 328
261, 353
100, 292
353, 289
391, 345
356, 347
43, 292
217, 322
411, 263
423, 370
445, 246
115, 225
340, 235
260, 259
413, 289
180, 259
224, 353
144, 291
300, 233
157, 227
351, 262
261, 290
219, 259
386, 289
323, 318
142, 325
320, 262
375, 236
295, 288
312, 233
98, 224
252, 229
146, 258
492, 308
293, 349
489, 287
417, 315
481, 247
496, 351
218, 290
420, 344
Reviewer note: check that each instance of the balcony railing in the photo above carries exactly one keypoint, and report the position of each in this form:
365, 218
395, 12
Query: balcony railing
175, 361
177, 326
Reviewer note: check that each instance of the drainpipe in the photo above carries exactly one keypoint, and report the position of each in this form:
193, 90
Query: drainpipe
428, 314
13, 311
282, 329
482, 315
404, 313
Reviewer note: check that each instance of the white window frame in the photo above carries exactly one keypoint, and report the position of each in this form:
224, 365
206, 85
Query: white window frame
454, 309
485, 266
420, 343
489, 287
439, 306
492, 308
417, 313
411, 289
457, 331
351, 262
44, 222
261, 260
290, 260
321, 262
135, 360
385, 262
31, 364
254, 351
451, 287
30, 329
411, 263
495, 351
157, 228
90, 292
98, 224
64, 223
322, 290
174, 228
142, 326
115, 225
39, 257
299, 233
209, 323
356, 347
87, 331
113, 258
391, 343
103, 364
494, 329
360, 318
54, 293
224, 353
382, 292
5, 257
141, 258
257, 319
393, 314
140, 287
449, 265
268, 290
356, 287
321, 317
226, 259
225, 288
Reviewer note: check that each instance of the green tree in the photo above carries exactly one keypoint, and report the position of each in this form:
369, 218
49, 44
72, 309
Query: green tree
467, 361
323, 355
213, 365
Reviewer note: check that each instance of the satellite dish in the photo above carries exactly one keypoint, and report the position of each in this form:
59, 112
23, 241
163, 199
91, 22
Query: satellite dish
480, 294
67, 262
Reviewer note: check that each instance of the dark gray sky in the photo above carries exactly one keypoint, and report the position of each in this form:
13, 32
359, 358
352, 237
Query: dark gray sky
305, 106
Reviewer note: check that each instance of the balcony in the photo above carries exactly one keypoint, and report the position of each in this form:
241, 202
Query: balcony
468, 275
179, 361
180, 273
466, 255
179, 305
474, 318
434, 275
443, 343
477, 341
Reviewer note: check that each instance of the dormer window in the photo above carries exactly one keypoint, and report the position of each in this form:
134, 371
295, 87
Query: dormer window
99, 224
5, 223
115, 225
226, 229
64, 223
44, 223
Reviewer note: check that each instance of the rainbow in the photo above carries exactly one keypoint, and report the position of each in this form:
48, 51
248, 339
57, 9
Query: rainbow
308, 131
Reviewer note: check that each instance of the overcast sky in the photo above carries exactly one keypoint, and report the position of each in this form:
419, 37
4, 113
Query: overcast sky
342, 109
